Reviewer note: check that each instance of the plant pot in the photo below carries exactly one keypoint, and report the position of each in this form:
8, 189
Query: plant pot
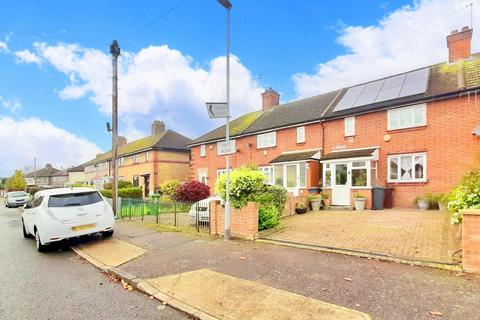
300, 210
316, 204
360, 204
443, 206
423, 204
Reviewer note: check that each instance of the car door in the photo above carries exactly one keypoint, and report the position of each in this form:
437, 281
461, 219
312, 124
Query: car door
31, 213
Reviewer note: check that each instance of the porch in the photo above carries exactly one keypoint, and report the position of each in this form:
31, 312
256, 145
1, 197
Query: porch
425, 236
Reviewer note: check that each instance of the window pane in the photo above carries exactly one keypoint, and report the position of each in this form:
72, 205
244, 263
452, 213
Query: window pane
358, 164
303, 175
393, 119
341, 174
279, 175
406, 168
419, 167
394, 168
328, 178
359, 177
418, 114
291, 176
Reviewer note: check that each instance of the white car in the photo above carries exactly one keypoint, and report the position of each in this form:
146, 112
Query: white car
203, 208
16, 198
59, 214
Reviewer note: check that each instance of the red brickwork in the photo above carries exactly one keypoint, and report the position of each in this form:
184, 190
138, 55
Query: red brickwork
243, 221
459, 44
471, 240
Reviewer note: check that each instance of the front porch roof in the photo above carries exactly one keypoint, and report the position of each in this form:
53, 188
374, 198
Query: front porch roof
349, 154
296, 156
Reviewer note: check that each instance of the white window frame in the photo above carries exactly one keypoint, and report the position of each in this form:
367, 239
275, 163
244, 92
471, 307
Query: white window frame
222, 171
300, 134
349, 161
298, 178
399, 165
349, 131
136, 158
266, 140
147, 156
203, 151
121, 161
396, 112
268, 171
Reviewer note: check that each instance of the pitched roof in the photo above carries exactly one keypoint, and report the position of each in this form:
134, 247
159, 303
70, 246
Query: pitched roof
79, 168
48, 171
60, 173
295, 156
168, 140
348, 154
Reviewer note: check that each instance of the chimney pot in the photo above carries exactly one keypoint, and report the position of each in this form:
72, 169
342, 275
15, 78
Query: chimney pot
270, 99
459, 44
157, 127
122, 141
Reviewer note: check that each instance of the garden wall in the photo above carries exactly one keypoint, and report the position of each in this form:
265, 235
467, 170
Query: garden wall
243, 221
471, 240
289, 209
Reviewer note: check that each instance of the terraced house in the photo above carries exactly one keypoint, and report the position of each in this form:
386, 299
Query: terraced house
146, 162
416, 131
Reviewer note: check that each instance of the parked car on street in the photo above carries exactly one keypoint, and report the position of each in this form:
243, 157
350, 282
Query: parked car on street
16, 199
59, 214
203, 208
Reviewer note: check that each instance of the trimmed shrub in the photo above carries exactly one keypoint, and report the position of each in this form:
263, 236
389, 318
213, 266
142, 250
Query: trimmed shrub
169, 188
276, 195
121, 185
132, 192
192, 191
466, 195
106, 193
268, 216
245, 184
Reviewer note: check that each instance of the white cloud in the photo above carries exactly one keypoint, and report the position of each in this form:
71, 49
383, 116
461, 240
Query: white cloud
408, 38
26, 56
23, 139
3, 47
155, 83
11, 105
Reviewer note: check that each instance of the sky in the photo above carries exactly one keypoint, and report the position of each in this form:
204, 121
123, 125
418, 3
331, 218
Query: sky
55, 66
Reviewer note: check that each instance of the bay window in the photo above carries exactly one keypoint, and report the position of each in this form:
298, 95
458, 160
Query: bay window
359, 173
407, 168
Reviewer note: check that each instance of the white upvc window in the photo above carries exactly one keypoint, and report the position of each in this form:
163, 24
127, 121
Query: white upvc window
121, 161
407, 167
327, 175
300, 134
268, 172
407, 117
360, 173
266, 140
136, 158
349, 126
291, 175
147, 156
203, 151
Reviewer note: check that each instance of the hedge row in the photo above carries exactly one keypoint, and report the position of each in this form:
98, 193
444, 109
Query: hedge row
132, 192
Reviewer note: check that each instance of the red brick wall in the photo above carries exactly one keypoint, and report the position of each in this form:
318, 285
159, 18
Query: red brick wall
447, 139
471, 240
243, 221
247, 152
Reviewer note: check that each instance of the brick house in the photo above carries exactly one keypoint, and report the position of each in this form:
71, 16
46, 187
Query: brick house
42, 178
146, 162
416, 131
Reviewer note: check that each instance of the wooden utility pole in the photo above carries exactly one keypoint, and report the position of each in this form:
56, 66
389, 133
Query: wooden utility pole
115, 51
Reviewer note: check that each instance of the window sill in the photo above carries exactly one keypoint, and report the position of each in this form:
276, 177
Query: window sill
349, 136
407, 183
301, 143
400, 130
266, 148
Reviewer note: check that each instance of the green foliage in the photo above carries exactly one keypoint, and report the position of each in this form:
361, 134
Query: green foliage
132, 192
435, 198
121, 185
169, 188
16, 182
79, 184
276, 195
245, 184
466, 195
268, 216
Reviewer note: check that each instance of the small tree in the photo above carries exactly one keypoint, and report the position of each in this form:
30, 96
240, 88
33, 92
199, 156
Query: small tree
16, 182
169, 188
192, 191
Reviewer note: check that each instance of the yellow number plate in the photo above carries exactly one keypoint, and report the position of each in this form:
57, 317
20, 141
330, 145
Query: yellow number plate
84, 227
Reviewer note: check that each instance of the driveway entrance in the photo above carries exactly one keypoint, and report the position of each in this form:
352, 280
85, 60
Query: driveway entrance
406, 234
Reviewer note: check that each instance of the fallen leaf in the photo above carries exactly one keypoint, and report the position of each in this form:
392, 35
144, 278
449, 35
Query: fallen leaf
436, 313
347, 279
151, 297
357, 305
243, 258
324, 289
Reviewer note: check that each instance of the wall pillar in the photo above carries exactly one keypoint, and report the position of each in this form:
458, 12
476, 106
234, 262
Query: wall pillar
471, 240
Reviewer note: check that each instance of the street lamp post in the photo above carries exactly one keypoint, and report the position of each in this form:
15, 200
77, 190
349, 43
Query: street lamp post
227, 5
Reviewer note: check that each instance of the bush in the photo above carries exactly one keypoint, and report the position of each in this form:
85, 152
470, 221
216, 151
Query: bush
276, 195
435, 198
466, 195
121, 185
268, 216
106, 193
245, 184
169, 188
192, 191
132, 192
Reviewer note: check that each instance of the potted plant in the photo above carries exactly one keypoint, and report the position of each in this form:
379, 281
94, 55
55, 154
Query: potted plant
422, 203
360, 201
300, 208
315, 201
443, 201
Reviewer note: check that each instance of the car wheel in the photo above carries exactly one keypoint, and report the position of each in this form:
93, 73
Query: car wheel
107, 234
25, 233
6, 205
40, 247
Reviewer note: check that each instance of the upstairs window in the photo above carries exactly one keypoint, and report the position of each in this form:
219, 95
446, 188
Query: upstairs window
349, 126
266, 140
136, 158
121, 162
147, 156
300, 134
407, 117
203, 151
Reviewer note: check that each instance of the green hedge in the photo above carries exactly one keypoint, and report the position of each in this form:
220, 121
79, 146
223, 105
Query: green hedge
132, 192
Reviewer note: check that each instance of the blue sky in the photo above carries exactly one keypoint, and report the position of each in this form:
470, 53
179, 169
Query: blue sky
55, 72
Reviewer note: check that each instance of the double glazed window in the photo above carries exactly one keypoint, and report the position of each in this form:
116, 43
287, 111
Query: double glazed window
291, 175
268, 172
407, 117
359, 173
266, 140
300, 134
136, 158
203, 151
349, 126
407, 168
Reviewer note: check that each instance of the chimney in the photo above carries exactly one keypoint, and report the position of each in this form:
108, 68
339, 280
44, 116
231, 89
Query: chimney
122, 141
459, 44
48, 165
157, 127
270, 99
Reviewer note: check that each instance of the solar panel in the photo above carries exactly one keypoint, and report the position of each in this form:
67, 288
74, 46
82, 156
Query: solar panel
402, 85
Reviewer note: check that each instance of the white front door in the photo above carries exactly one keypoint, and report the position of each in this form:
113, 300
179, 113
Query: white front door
341, 184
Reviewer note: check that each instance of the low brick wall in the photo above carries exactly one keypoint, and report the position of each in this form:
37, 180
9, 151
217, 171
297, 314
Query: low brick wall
243, 221
289, 209
471, 240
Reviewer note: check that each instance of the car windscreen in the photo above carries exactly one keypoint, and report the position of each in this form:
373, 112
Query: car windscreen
74, 199
17, 194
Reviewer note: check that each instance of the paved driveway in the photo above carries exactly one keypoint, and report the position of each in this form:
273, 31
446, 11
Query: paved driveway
408, 234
